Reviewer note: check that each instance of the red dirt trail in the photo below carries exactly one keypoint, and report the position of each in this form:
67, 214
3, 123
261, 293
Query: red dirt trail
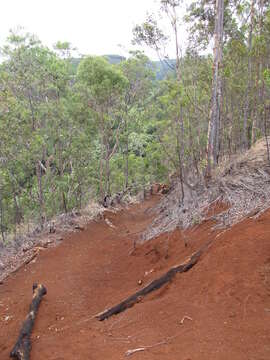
227, 294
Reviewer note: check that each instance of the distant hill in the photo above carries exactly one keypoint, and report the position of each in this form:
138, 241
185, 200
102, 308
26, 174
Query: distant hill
161, 68
115, 59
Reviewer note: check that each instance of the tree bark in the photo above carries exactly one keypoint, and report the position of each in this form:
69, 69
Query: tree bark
247, 95
40, 193
108, 171
126, 155
2, 219
154, 285
101, 160
213, 126
180, 131
180, 151
266, 132
22, 348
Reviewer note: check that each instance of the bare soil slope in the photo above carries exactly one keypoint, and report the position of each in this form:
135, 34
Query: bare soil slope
226, 296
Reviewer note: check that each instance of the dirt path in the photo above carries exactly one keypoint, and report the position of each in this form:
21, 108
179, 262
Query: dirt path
227, 295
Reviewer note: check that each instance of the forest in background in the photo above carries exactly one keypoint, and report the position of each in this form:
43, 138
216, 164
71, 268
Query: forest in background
70, 133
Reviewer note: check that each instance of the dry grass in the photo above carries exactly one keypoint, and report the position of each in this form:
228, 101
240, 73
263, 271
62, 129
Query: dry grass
29, 236
240, 185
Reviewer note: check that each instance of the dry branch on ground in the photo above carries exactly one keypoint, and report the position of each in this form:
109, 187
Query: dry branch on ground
143, 348
22, 348
154, 285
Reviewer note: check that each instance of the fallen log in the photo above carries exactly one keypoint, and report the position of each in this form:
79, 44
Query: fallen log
22, 348
154, 285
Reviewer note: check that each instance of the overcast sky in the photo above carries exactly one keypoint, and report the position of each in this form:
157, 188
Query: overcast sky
92, 26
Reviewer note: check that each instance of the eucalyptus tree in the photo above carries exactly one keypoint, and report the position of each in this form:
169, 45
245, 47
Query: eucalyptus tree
34, 81
103, 86
150, 34
140, 84
214, 121
241, 109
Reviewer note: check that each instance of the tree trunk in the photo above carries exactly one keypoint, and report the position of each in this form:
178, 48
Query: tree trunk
108, 171
213, 127
2, 219
22, 348
247, 95
40, 194
126, 156
61, 173
155, 284
266, 132
259, 103
180, 152
180, 125
101, 160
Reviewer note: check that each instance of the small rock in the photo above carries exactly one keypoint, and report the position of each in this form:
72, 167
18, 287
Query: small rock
7, 318
148, 272
78, 227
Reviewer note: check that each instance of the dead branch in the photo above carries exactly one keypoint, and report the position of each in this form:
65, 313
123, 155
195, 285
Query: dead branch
143, 348
184, 318
109, 223
152, 286
22, 348
133, 351
245, 305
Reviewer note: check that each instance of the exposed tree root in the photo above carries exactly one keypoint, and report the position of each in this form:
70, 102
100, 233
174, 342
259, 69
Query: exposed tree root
154, 285
22, 348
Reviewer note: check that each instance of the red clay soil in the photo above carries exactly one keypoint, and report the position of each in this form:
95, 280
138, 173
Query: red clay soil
227, 294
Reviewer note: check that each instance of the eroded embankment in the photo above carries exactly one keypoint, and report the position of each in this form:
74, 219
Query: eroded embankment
225, 297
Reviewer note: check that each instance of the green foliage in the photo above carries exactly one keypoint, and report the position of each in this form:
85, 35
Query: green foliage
76, 129
149, 33
101, 78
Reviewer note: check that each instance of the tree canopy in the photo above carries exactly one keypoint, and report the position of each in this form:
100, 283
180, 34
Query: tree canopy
79, 129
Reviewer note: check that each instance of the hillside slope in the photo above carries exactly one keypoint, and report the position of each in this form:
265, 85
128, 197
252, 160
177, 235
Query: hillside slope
225, 297
239, 188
